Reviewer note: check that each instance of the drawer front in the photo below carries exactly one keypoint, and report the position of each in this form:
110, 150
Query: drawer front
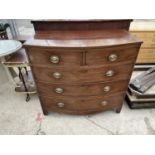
101, 57
146, 56
82, 89
75, 105
147, 37
83, 74
53, 58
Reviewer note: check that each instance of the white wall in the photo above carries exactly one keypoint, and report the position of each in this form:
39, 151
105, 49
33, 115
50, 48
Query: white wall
24, 26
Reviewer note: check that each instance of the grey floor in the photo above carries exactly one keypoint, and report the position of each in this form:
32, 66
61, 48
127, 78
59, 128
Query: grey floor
19, 117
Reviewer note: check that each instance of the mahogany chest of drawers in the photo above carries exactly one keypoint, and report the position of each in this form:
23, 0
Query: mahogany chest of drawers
82, 67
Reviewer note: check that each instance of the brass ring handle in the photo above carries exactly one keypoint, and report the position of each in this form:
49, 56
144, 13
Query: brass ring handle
59, 90
57, 75
112, 57
60, 104
106, 88
104, 103
110, 73
54, 59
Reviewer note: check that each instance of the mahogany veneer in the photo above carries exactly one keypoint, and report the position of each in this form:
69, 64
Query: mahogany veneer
82, 66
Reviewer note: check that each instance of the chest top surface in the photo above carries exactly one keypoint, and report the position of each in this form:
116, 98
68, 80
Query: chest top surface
77, 39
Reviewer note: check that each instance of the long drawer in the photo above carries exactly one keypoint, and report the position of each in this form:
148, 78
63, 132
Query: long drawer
82, 105
83, 74
85, 89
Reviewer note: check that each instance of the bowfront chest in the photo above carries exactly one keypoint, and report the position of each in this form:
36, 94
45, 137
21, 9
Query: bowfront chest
82, 67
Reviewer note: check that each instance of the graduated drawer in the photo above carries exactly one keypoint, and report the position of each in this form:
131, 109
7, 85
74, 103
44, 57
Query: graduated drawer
82, 105
55, 57
146, 56
111, 55
83, 74
85, 89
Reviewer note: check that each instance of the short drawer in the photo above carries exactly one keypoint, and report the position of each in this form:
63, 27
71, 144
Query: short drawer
111, 56
85, 89
83, 74
53, 58
81, 105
